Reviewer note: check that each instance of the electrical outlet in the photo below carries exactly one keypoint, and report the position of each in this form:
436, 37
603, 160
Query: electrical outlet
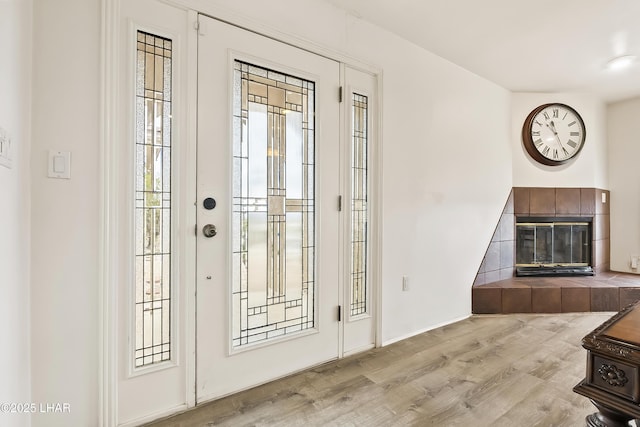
5, 148
405, 283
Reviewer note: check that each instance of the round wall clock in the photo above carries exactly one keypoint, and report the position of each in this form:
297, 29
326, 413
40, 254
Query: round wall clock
553, 134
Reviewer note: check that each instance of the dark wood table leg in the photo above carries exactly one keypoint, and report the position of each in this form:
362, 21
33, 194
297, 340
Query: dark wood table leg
607, 417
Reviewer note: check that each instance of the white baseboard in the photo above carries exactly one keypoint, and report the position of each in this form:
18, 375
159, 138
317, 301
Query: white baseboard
421, 331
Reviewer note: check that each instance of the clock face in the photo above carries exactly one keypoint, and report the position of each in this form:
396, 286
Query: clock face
553, 134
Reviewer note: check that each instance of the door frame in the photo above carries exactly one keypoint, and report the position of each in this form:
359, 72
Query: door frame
108, 195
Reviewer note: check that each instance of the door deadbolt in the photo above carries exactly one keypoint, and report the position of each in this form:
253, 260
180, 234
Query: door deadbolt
209, 230
209, 203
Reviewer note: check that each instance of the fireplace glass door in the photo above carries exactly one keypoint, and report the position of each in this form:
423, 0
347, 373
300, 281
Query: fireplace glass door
553, 243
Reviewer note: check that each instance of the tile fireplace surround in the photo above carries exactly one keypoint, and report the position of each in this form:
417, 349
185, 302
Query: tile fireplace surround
497, 290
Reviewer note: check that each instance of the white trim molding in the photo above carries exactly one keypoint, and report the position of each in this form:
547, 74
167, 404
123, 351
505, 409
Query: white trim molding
108, 268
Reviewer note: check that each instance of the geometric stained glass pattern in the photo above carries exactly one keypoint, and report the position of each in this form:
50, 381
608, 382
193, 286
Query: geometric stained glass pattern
359, 205
153, 200
273, 225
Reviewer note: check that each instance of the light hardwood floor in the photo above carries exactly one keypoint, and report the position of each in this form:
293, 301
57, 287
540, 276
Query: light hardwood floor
488, 370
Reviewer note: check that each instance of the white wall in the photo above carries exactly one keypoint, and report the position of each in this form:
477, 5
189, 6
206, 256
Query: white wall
446, 176
623, 119
590, 167
15, 101
64, 248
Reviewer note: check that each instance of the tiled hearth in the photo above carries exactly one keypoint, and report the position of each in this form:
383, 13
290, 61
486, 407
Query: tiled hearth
497, 290
606, 291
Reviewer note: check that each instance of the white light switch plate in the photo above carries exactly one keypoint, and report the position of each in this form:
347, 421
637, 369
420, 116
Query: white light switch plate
59, 164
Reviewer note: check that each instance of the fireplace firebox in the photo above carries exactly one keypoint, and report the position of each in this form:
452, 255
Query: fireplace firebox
553, 246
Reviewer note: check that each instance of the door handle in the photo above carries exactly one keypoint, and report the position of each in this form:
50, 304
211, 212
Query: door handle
209, 230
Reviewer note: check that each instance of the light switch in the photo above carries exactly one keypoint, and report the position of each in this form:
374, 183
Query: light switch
59, 164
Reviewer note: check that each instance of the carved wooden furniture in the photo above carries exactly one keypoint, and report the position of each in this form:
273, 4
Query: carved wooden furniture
612, 381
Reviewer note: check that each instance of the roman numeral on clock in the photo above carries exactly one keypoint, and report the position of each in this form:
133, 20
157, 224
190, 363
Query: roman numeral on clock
572, 143
546, 150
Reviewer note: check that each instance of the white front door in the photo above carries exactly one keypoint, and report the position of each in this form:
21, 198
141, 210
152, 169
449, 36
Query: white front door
268, 180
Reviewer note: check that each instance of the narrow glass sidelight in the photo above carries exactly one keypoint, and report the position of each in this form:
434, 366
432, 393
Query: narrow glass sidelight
153, 200
273, 226
359, 204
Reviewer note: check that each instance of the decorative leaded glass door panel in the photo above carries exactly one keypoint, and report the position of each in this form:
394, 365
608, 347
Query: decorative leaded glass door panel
272, 225
268, 141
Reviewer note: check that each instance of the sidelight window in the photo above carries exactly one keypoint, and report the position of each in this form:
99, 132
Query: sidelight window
152, 200
359, 205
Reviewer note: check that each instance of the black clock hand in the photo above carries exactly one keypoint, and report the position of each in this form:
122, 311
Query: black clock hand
552, 126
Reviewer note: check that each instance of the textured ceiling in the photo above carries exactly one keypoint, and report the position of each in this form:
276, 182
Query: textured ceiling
541, 46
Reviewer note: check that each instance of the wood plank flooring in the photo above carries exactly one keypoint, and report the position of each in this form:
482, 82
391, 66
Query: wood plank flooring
488, 370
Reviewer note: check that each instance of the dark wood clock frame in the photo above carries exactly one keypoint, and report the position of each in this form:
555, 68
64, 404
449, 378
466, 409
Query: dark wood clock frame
528, 142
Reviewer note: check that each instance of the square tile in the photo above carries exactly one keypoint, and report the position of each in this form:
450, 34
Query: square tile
542, 201
491, 276
601, 226
601, 268
492, 257
567, 201
507, 254
605, 299
507, 273
601, 252
486, 300
521, 201
576, 299
587, 201
516, 300
546, 300
506, 227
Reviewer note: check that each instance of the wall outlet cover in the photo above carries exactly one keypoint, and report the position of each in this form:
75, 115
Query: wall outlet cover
5, 149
